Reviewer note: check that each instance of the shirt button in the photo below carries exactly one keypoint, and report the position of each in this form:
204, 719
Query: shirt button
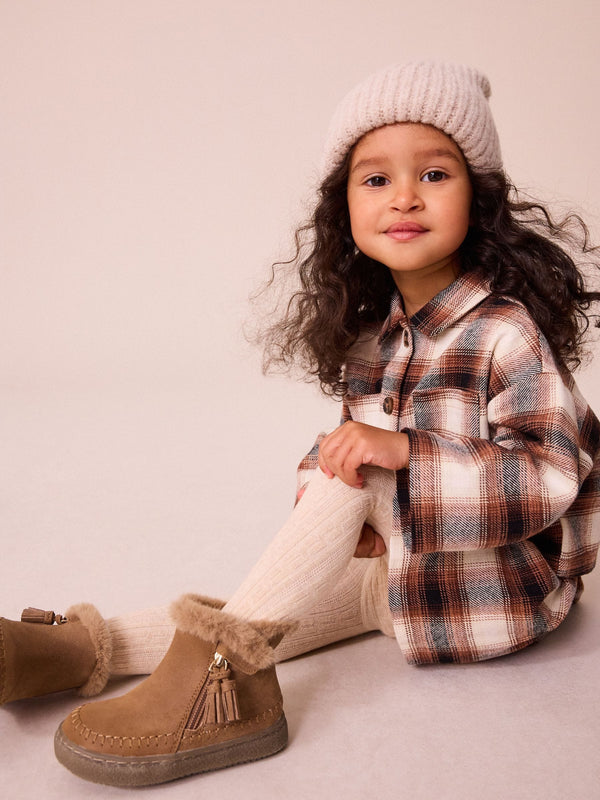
405, 338
388, 405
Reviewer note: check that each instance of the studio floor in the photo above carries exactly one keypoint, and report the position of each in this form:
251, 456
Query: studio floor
364, 724
88, 498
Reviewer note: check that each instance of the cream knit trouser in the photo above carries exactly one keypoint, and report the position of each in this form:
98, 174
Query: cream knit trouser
307, 574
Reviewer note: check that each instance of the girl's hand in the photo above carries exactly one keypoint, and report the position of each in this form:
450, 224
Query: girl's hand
370, 544
353, 444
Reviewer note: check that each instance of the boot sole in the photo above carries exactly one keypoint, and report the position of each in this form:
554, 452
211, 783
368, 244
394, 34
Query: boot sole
116, 770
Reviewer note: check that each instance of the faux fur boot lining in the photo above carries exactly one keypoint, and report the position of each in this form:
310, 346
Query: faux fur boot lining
247, 644
90, 618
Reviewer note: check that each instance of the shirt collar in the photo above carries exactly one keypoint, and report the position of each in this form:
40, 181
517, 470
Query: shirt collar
443, 310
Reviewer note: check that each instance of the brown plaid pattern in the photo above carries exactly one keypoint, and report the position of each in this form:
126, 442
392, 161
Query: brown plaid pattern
498, 515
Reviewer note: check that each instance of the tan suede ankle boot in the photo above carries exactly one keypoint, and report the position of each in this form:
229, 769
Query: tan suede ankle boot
213, 701
46, 653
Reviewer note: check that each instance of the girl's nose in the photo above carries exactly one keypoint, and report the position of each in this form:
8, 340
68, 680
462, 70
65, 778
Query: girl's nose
406, 198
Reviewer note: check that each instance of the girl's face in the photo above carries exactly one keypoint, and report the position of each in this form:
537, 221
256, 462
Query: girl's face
409, 198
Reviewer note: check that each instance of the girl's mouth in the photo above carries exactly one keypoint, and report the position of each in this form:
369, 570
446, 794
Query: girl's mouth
405, 231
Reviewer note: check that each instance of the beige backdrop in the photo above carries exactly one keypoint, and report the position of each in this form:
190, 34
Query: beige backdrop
155, 156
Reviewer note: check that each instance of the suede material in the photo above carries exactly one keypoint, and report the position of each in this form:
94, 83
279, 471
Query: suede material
213, 734
37, 659
155, 712
260, 703
154, 717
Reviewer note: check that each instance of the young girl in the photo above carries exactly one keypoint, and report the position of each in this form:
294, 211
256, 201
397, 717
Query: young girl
446, 315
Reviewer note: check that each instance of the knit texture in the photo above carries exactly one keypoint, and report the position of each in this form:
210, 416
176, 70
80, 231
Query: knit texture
313, 550
140, 640
357, 604
451, 97
307, 575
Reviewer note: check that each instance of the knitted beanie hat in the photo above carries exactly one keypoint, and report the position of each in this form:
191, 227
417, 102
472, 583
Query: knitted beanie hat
451, 97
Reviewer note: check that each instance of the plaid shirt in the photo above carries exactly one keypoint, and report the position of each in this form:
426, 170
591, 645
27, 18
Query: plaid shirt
497, 515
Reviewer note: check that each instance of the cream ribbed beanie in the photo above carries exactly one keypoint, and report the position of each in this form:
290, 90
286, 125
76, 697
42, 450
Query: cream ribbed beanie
451, 97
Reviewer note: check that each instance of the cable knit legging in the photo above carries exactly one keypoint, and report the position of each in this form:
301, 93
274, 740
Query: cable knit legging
307, 574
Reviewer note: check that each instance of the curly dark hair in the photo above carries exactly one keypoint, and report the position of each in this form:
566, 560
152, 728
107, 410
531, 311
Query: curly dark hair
512, 242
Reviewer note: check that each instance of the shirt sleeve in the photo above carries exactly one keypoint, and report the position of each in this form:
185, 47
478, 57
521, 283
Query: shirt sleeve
465, 493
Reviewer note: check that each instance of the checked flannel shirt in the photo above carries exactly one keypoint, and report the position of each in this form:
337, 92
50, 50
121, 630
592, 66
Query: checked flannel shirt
498, 513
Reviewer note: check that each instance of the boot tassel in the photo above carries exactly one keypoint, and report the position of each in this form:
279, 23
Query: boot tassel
42, 617
221, 704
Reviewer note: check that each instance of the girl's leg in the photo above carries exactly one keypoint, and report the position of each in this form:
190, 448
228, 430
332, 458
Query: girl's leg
358, 604
140, 641
307, 574
214, 700
313, 550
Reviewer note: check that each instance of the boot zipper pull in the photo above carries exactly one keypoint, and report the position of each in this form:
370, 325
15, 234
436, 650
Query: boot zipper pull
221, 704
42, 617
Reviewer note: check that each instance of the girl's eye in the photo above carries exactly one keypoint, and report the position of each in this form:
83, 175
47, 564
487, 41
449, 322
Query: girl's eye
434, 176
376, 181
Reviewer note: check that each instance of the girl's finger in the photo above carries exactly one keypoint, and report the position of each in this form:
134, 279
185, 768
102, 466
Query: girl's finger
352, 462
342, 457
341, 466
323, 464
